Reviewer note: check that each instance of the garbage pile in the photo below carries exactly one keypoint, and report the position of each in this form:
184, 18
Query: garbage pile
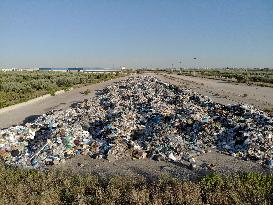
140, 117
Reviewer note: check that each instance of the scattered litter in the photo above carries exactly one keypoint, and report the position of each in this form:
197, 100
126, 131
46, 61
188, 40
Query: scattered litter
141, 117
211, 167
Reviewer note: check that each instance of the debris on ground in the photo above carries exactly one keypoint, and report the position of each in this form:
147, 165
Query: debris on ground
141, 117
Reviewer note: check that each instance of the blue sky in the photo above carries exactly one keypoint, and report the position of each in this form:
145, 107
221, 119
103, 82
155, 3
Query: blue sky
137, 33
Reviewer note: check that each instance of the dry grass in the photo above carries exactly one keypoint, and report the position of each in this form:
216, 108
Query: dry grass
20, 186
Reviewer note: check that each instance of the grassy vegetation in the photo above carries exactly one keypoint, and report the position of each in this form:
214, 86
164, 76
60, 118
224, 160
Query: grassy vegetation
32, 187
16, 87
259, 77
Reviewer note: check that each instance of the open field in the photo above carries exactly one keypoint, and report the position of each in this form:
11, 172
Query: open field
17, 87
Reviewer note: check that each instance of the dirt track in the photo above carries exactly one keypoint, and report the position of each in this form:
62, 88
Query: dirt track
150, 169
227, 93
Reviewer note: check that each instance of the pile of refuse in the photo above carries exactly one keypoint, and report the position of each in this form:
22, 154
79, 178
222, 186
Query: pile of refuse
140, 117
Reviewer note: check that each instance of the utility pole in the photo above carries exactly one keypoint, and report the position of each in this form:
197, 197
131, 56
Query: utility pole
180, 69
180, 64
195, 61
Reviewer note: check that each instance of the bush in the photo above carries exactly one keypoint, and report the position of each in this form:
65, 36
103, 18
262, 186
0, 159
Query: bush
21, 186
51, 91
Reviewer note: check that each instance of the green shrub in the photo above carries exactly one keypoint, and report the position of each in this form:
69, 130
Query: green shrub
20, 186
51, 91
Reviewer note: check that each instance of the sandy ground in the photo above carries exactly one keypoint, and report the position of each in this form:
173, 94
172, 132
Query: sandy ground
222, 92
212, 162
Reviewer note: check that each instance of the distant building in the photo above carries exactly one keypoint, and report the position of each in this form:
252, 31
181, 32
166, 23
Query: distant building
85, 70
29, 69
100, 70
7, 69
18, 69
61, 69
74, 69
